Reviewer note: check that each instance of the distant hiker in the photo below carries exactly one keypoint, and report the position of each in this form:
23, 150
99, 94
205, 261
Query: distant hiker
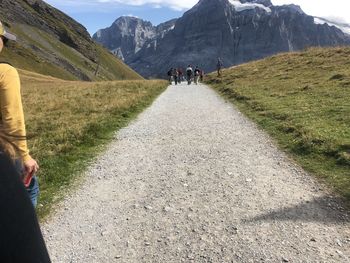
219, 66
175, 75
20, 235
189, 74
12, 120
170, 75
181, 75
201, 75
196, 75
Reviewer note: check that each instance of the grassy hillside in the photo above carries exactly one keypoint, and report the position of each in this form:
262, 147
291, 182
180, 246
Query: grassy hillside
302, 100
68, 121
51, 43
75, 65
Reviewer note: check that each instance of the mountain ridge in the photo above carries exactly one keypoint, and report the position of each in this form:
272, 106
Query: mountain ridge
129, 40
238, 31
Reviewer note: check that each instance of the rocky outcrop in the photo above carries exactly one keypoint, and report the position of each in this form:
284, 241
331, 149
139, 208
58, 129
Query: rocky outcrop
128, 35
236, 31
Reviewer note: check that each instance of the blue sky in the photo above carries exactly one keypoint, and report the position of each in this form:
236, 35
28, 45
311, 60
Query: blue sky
97, 14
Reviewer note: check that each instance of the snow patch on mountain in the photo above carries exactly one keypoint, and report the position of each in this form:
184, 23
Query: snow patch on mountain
99, 33
119, 53
248, 6
166, 31
342, 26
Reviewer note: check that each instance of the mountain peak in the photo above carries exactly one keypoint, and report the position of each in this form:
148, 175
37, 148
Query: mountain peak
295, 8
238, 5
128, 19
236, 30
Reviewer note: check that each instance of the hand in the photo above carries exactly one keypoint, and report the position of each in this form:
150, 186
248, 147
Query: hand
30, 168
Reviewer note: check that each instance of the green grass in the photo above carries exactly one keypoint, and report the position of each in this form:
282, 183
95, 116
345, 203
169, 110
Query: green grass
33, 58
68, 122
112, 67
302, 100
23, 58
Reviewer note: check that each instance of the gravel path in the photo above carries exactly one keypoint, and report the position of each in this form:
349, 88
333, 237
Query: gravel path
192, 180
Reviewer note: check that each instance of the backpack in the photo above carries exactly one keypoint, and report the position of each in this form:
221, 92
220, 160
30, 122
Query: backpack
189, 71
169, 73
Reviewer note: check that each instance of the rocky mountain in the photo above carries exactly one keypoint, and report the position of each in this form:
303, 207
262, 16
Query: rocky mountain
127, 35
236, 31
345, 27
52, 43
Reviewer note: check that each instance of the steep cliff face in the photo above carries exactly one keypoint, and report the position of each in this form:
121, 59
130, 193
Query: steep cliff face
128, 35
236, 31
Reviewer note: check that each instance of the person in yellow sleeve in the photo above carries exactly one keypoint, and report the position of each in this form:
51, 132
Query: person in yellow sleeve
12, 119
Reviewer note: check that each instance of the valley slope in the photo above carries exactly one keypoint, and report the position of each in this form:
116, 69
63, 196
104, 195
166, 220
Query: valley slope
52, 43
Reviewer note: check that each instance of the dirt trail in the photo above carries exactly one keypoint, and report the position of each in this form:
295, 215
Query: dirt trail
192, 180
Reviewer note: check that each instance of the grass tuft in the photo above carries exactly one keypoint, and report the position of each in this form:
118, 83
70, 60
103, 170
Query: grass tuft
337, 77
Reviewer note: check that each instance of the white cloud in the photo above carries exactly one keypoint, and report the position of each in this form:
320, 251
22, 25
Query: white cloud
322, 8
178, 5
174, 4
334, 22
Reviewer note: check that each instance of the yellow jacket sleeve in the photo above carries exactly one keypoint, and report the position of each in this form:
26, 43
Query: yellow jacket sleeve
12, 117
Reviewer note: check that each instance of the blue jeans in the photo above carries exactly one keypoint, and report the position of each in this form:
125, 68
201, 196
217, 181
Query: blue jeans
33, 188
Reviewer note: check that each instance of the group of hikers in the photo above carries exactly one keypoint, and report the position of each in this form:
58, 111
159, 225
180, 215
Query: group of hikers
196, 74
177, 75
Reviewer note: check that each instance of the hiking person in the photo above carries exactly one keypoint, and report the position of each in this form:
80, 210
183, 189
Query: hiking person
219, 66
196, 75
181, 74
21, 239
170, 75
189, 74
12, 119
201, 75
175, 75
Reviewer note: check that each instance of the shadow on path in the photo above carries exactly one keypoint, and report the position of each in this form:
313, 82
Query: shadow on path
324, 209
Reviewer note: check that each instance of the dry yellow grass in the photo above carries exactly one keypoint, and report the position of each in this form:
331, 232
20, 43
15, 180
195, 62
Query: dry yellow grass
67, 120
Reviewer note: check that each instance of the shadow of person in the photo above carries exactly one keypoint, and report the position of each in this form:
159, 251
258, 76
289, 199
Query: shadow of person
20, 234
324, 209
